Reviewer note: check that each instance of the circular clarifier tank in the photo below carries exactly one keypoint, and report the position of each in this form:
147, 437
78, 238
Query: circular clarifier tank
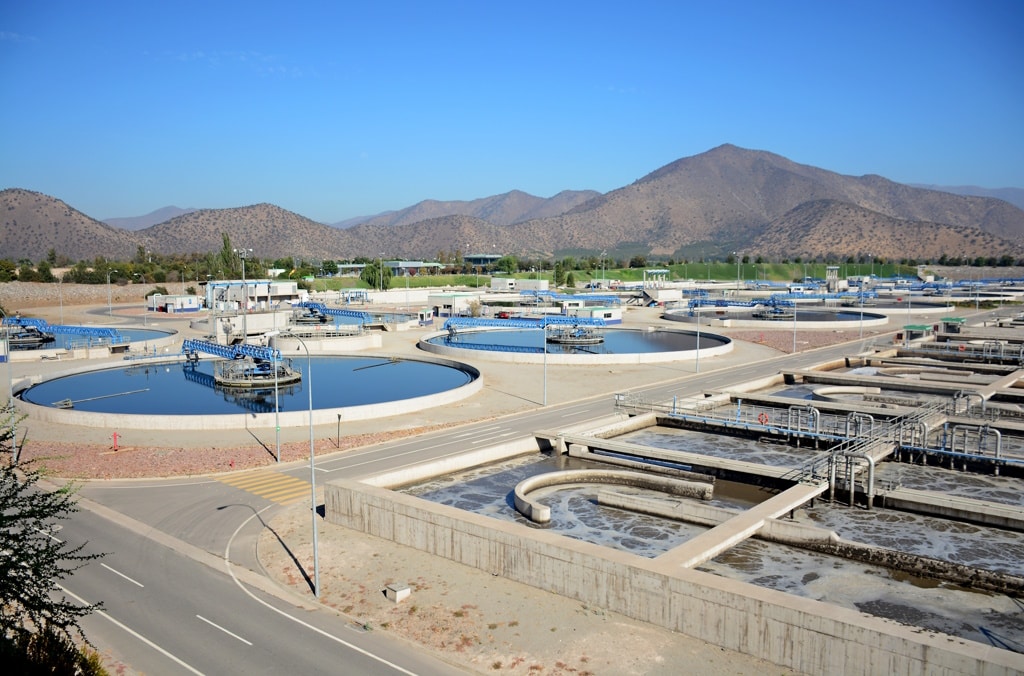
175, 394
619, 346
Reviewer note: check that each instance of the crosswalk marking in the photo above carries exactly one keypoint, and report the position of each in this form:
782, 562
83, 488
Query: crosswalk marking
274, 486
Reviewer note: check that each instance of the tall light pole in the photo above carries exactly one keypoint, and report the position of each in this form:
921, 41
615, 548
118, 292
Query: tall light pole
60, 291
697, 361
243, 254
737, 255
110, 298
603, 254
312, 469
381, 272
272, 344
544, 344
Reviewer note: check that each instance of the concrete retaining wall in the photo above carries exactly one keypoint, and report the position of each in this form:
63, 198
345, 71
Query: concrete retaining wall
801, 634
541, 513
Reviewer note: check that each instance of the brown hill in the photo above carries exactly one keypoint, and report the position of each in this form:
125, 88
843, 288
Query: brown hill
726, 199
34, 223
505, 209
729, 195
835, 230
268, 230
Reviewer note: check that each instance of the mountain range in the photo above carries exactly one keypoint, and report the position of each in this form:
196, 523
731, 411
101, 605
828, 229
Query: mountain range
724, 200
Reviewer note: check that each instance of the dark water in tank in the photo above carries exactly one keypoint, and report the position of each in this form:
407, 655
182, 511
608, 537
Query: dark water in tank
183, 389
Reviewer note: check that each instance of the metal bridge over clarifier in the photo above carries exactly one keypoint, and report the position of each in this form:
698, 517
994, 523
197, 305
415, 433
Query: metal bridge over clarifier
363, 317
552, 296
113, 335
192, 346
455, 323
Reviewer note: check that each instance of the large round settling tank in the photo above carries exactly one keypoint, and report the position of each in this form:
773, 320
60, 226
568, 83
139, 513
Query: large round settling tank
176, 393
618, 346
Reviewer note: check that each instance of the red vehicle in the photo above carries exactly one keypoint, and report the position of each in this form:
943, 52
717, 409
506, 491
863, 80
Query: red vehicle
504, 314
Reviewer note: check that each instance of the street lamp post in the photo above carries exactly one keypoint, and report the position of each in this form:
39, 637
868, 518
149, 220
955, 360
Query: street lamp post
697, 361
603, 254
544, 344
737, 255
381, 272
312, 469
60, 291
110, 299
243, 254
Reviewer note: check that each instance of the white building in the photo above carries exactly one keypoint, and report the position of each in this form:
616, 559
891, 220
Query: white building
172, 304
252, 294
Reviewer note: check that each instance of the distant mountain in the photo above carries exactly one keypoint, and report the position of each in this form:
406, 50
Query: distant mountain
152, 218
839, 229
1014, 196
268, 230
34, 223
729, 195
505, 209
726, 199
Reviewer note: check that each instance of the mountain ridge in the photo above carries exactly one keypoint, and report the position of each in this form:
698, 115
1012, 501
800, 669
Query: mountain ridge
723, 200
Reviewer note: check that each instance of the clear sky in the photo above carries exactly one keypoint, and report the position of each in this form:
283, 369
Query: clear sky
342, 109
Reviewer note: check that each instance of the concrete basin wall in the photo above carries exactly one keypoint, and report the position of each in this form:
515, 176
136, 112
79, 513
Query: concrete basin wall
797, 633
541, 513
245, 419
581, 359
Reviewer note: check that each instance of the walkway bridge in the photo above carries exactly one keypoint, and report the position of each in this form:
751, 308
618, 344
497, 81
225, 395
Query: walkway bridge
363, 317
113, 335
456, 323
551, 296
193, 347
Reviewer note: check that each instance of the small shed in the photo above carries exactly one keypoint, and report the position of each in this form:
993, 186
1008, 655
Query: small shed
952, 324
172, 304
610, 315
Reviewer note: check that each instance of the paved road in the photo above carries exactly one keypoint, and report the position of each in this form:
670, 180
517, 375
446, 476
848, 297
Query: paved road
169, 609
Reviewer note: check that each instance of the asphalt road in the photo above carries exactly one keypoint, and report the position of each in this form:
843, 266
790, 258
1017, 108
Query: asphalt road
167, 610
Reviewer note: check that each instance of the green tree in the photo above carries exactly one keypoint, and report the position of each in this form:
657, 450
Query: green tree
33, 610
373, 273
507, 264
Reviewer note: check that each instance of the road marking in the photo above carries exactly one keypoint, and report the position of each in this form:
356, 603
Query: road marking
49, 535
283, 489
232, 635
117, 572
134, 633
336, 639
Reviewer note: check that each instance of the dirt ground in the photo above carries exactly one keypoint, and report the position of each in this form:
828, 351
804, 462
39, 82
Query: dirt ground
479, 622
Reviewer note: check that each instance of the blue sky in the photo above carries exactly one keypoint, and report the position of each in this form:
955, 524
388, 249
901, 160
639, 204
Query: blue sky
335, 110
